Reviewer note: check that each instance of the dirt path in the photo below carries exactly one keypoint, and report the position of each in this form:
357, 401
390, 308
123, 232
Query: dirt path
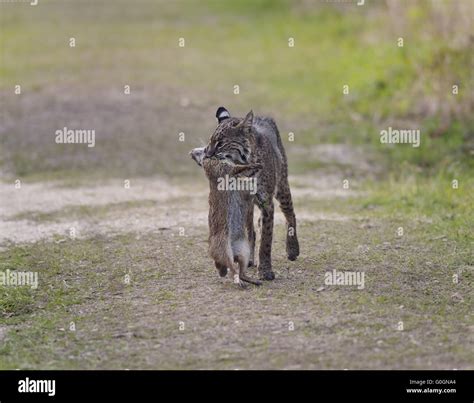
40, 211
175, 312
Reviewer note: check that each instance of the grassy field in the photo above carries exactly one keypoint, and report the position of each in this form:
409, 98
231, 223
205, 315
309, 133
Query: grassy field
175, 312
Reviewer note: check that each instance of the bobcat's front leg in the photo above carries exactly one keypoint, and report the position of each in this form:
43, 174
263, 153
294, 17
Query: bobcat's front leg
251, 235
265, 253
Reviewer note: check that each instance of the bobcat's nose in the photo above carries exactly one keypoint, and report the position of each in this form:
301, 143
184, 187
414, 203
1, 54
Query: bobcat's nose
209, 151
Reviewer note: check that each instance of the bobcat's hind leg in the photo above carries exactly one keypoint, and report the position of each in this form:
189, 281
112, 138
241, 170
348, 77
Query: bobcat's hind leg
265, 252
286, 204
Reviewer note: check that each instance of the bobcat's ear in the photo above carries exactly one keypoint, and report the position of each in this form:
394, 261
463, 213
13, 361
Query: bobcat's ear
222, 114
248, 122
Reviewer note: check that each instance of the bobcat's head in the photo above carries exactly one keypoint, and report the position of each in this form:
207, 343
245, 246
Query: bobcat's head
232, 138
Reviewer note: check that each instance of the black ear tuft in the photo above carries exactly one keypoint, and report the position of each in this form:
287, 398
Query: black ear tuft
222, 114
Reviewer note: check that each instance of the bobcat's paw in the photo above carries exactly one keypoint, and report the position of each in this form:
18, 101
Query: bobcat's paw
292, 248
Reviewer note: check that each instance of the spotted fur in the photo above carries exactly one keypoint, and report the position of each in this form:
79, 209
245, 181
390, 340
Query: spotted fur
256, 140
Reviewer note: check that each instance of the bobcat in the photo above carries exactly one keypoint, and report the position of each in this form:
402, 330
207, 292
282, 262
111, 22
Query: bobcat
254, 140
228, 238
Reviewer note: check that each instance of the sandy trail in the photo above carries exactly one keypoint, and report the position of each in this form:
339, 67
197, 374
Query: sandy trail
172, 206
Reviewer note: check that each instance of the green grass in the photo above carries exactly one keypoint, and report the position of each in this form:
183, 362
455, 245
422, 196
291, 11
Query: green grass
25, 300
413, 197
449, 209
